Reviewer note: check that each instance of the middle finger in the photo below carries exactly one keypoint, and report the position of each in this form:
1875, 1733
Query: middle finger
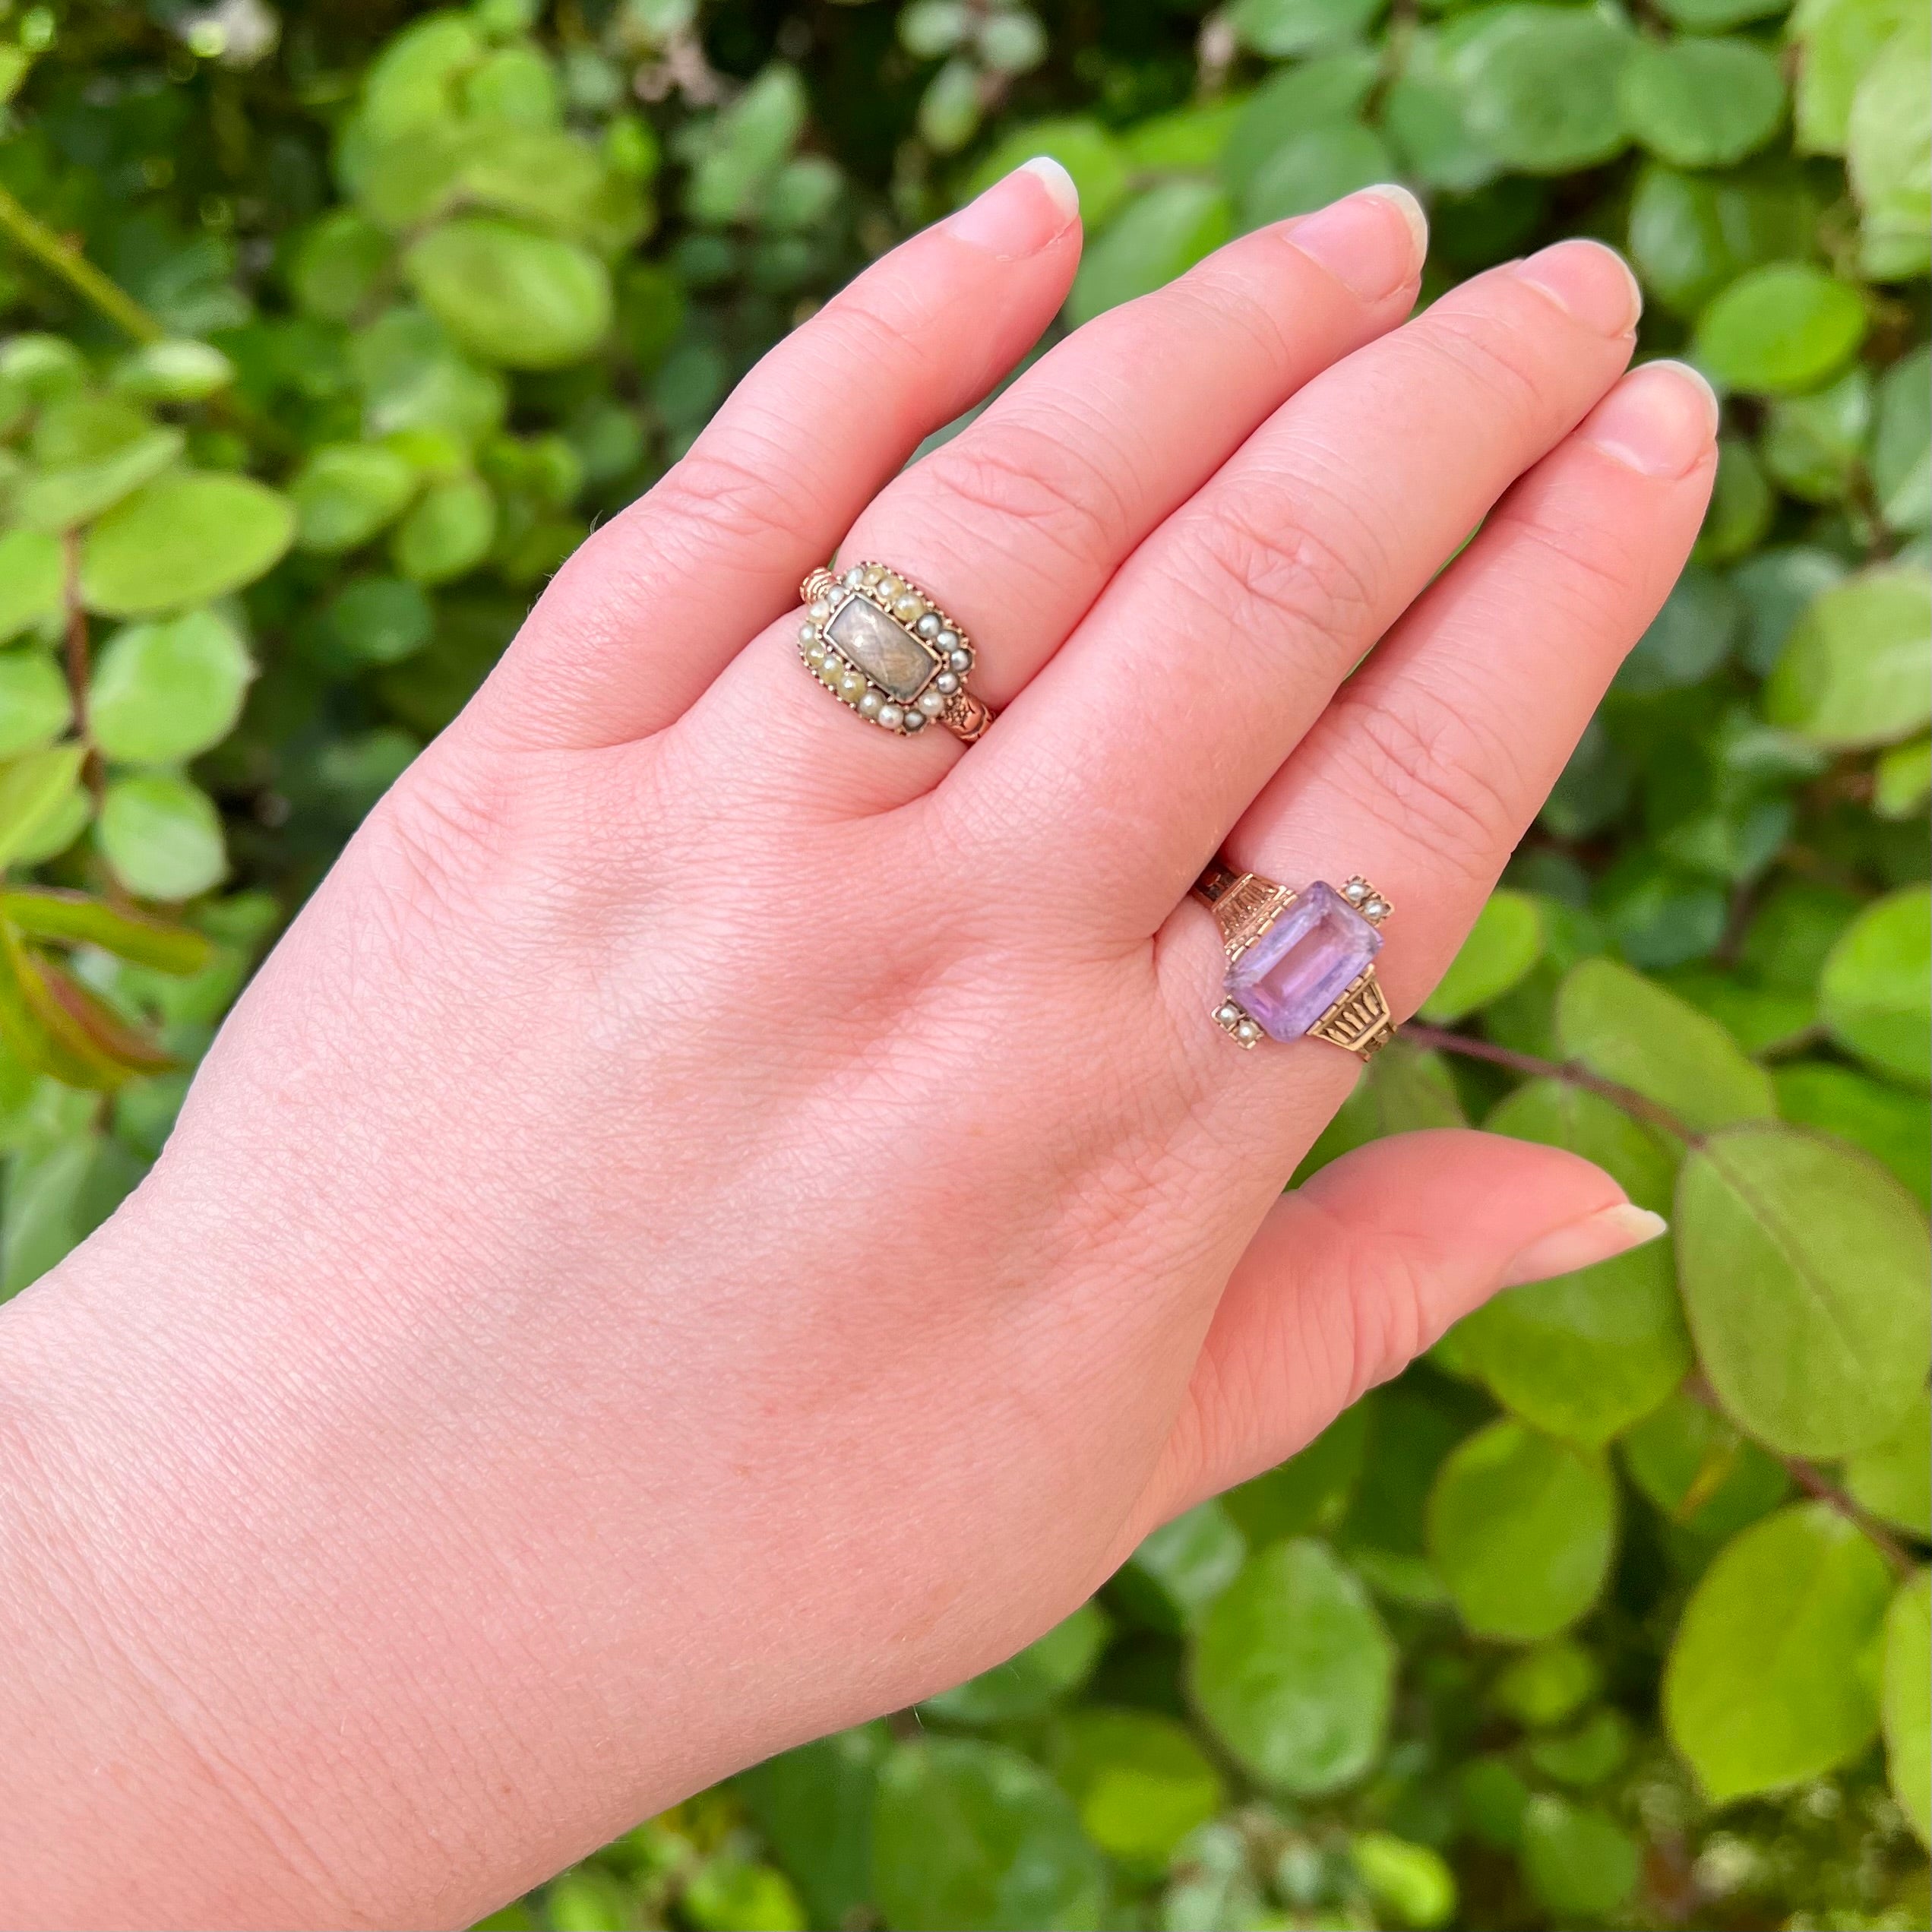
1221, 640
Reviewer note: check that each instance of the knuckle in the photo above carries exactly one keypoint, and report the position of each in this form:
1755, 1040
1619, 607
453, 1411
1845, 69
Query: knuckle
1489, 354
1386, 1289
1420, 765
1039, 476
1266, 571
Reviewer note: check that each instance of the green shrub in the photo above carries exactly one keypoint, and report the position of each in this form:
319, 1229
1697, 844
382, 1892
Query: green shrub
324, 338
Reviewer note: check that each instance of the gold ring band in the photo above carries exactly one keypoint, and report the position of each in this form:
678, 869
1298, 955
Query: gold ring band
879, 643
1299, 963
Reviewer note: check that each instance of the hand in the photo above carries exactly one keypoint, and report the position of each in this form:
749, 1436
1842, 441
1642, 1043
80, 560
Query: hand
718, 1221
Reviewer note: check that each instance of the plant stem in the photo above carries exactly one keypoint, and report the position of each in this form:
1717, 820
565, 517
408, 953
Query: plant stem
34, 238
80, 674
1440, 1040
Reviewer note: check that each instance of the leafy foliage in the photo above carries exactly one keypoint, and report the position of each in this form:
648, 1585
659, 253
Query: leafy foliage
325, 336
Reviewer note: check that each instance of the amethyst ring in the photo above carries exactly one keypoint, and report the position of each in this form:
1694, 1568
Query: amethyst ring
1299, 963
877, 642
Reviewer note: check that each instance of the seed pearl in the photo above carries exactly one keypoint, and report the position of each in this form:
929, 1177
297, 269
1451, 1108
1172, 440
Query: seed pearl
1356, 890
870, 573
819, 608
1227, 1015
960, 660
916, 720
947, 681
932, 702
928, 626
872, 702
1375, 908
854, 578
888, 585
946, 639
907, 608
891, 716
807, 632
831, 670
852, 685
1247, 1030
814, 653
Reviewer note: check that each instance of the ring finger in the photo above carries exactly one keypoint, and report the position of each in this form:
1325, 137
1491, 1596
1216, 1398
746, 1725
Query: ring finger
1015, 524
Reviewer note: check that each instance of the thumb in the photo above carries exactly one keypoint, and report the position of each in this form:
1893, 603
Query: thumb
1354, 1274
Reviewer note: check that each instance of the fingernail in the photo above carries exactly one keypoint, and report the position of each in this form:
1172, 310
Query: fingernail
1596, 1237
1659, 421
1589, 281
1021, 212
1354, 240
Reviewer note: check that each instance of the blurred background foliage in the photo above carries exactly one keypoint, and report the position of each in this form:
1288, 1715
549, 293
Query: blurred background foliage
325, 334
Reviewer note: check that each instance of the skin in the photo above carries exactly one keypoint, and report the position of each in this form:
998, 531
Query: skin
717, 1221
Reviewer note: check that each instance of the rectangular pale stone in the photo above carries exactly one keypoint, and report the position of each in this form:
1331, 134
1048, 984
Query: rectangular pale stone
1304, 962
888, 653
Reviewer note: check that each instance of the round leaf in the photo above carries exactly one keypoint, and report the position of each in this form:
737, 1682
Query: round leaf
522, 300
1521, 1530
1505, 942
1701, 103
1027, 1683
31, 573
968, 1837
1293, 1671
1857, 668
379, 620
1894, 1478
1141, 1782
34, 705
1905, 1699
347, 491
1168, 229
185, 539
1894, 1127
1578, 1861
162, 836
1780, 330
1277, 27
449, 532
166, 689
1872, 994
1540, 87
1888, 154
1802, 1266
1768, 1682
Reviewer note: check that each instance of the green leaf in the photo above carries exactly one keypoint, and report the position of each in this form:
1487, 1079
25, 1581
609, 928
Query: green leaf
1688, 639
1902, 780
1404, 1091
1425, 113
1309, 1493
1814, 445
1293, 1671
1407, 1880
1894, 1478
1741, 508
1314, 167
162, 837
1087, 150
1894, 1127
448, 533
968, 1837
1838, 43
1577, 1859
1905, 1697
338, 264
1872, 994
1301, 95
1279, 27
1690, 235
1902, 443
1780, 330
1506, 941
56, 1196
344, 493
1629, 1030
1589, 1755
1540, 86
378, 620
1182, 1567
185, 539
31, 573
41, 912
1767, 1684
1547, 1683
1140, 1781
167, 690
1888, 155
1709, 1480
1051, 1667
35, 707
56, 500
1857, 669
815, 1806
34, 790
1584, 1356
1162, 233
1803, 1264
517, 298
1522, 1528
1701, 103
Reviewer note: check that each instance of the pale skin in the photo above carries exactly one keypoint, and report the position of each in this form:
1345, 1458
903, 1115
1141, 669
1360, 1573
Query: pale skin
718, 1221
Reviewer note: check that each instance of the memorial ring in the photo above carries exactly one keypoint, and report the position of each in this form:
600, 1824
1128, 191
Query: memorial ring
876, 641
1299, 962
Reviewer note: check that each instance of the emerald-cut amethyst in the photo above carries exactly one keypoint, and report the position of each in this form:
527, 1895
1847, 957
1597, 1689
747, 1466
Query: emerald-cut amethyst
1304, 962
901, 664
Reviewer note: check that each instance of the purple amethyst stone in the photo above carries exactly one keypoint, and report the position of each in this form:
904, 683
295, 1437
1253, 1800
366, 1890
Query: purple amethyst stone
1304, 962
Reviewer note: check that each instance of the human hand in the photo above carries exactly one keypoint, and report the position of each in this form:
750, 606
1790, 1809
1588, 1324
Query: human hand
718, 1221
